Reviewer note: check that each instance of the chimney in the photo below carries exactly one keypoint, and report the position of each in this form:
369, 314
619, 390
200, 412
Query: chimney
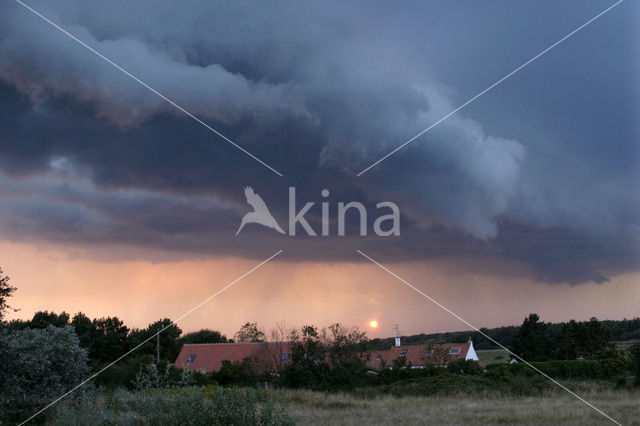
396, 327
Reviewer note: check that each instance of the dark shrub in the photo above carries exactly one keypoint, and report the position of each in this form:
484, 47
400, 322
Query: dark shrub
38, 365
187, 406
461, 366
582, 369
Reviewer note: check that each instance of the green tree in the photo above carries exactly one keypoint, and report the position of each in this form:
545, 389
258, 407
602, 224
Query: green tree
250, 333
595, 342
234, 372
535, 341
42, 319
37, 366
345, 344
108, 340
306, 346
169, 339
6, 291
325, 359
203, 336
587, 339
568, 347
85, 330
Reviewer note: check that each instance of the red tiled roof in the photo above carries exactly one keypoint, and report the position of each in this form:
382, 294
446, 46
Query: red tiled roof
418, 354
209, 356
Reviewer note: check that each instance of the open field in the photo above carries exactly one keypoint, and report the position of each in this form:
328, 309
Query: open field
493, 356
624, 346
308, 407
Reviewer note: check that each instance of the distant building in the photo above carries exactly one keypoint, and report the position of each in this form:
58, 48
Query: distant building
420, 355
209, 356
272, 356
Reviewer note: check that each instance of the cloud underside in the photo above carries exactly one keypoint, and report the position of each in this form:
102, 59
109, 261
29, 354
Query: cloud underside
89, 156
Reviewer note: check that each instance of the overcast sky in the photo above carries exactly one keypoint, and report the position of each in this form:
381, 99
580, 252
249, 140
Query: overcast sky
534, 184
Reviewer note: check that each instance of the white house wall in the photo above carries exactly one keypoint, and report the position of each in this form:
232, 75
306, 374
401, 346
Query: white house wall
471, 353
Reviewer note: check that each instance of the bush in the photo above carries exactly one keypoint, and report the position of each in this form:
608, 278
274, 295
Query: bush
582, 369
459, 377
123, 373
461, 366
38, 365
442, 383
234, 372
400, 370
299, 375
322, 377
516, 379
469, 378
634, 361
192, 406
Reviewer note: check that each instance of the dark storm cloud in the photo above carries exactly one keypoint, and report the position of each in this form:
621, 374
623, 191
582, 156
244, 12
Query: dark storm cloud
319, 91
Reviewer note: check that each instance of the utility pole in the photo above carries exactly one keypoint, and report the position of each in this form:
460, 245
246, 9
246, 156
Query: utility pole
158, 348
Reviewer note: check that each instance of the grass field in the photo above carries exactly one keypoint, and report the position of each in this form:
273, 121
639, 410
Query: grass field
493, 356
624, 346
308, 407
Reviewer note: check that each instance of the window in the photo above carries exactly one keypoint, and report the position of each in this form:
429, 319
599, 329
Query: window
191, 358
403, 352
284, 357
454, 351
378, 356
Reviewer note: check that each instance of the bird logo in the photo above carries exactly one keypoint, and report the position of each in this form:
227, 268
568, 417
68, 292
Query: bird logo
260, 213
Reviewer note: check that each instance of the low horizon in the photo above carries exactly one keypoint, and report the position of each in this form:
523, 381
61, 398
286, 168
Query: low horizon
145, 292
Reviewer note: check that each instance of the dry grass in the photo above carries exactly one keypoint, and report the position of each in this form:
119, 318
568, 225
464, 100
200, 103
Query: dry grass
318, 408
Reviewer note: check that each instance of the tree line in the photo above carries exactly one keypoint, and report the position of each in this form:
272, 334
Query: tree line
619, 330
321, 356
540, 341
106, 339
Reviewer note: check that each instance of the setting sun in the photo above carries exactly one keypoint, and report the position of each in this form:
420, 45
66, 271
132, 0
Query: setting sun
373, 324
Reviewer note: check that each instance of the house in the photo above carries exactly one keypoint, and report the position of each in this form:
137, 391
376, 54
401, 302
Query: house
419, 355
270, 357
209, 356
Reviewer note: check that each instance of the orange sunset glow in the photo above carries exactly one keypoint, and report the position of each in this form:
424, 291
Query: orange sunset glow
59, 279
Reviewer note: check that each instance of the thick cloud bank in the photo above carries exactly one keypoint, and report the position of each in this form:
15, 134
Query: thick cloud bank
319, 91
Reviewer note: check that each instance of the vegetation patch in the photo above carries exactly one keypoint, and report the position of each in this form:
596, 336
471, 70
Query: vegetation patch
210, 405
